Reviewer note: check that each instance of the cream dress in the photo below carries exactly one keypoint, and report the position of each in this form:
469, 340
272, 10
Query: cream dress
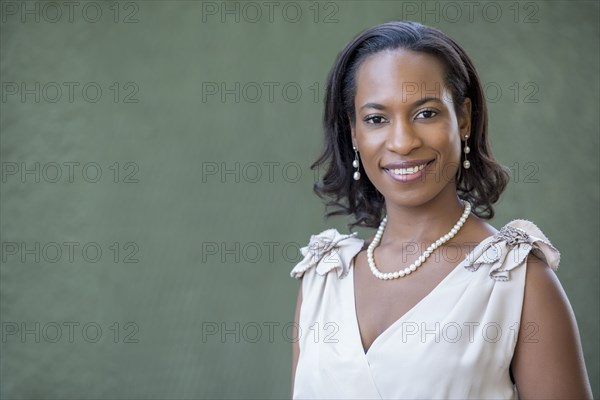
456, 343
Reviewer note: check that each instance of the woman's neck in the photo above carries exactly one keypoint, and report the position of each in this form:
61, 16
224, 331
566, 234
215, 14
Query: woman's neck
423, 223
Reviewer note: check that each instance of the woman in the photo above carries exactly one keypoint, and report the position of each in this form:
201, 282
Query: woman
438, 304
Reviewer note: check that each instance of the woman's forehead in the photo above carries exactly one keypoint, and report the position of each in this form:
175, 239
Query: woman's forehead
403, 74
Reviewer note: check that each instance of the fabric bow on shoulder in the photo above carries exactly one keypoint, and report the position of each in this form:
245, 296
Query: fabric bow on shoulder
327, 251
509, 248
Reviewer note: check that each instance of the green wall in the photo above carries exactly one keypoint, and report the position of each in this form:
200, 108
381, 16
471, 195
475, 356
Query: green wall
204, 198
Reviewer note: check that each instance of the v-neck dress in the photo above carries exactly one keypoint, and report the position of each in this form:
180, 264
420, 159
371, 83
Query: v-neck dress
456, 343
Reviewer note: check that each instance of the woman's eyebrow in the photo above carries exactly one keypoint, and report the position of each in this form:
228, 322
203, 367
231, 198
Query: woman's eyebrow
376, 106
426, 100
417, 103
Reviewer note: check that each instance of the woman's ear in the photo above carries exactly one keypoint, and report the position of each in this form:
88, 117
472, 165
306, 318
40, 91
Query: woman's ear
464, 119
352, 133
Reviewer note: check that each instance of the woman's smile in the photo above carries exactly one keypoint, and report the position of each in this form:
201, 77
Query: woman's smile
407, 171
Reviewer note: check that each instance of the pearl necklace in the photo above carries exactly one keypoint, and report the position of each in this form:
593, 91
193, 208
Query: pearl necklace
413, 267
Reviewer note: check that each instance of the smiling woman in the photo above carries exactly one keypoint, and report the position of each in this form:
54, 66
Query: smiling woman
438, 304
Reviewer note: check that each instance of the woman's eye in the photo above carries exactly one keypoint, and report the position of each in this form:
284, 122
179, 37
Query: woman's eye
374, 119
427, 114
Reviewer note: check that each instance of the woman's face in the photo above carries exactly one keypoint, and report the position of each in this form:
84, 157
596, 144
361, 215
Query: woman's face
406, 130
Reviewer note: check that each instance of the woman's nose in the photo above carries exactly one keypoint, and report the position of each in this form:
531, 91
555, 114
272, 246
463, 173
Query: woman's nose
402, 138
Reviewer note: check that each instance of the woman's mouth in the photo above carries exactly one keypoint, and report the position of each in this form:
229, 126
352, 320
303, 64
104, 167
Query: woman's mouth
407, 173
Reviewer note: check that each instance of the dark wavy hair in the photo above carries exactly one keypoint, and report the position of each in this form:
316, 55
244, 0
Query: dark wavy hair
486, 179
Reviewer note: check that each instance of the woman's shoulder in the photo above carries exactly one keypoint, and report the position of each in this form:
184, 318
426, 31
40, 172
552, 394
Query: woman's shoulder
327, 251
516, 243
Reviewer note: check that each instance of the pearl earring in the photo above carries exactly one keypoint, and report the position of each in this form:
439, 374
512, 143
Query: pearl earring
466, 150
355, 164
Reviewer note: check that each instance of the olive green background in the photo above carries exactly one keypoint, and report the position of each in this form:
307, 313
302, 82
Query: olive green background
212, 194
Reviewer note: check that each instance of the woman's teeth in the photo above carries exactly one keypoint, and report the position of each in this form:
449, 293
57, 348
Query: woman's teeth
407, 171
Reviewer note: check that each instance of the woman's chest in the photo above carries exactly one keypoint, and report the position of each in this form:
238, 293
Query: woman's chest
379, 304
